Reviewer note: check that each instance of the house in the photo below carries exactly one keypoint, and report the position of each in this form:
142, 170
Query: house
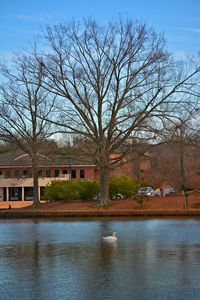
16, 182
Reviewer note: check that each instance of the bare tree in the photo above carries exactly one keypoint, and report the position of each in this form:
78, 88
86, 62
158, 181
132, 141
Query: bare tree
174, 160
24, 107
112, 83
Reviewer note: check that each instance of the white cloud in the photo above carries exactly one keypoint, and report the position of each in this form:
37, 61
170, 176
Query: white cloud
190, 29
35, 18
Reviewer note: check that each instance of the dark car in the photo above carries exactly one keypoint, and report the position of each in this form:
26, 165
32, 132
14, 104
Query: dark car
114, 197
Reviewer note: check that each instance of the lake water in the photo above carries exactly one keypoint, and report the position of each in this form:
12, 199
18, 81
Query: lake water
58, 259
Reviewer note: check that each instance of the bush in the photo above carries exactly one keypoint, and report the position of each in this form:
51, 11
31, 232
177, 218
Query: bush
88, 189
127, 186
71, 190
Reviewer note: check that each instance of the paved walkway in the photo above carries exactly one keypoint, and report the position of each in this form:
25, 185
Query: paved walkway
14, 204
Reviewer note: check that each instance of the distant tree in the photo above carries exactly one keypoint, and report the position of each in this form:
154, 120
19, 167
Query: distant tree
112, 83
24, 107
5, 147
185, 134
175, 161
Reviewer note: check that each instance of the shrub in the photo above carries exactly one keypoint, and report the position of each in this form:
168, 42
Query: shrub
71, 190
124, 185
88, 189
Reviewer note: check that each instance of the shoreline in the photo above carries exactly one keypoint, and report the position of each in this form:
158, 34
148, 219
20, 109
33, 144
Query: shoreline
172, 206
24, 214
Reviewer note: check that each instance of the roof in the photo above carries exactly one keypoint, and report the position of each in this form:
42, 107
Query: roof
17, 158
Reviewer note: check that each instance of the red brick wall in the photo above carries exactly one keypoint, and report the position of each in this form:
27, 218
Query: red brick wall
90, 173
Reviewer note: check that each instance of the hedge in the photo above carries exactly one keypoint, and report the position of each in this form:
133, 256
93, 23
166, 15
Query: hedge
88, 189
71, 189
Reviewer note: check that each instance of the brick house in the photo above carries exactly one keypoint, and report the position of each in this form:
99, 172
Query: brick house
16, 182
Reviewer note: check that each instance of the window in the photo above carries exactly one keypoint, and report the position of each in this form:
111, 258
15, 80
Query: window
28, 193
25, 173
42, 191
73, 174
56, 173
7, 173
15, 193
17, 175
65, 171
82, 173
40, 173
48, 173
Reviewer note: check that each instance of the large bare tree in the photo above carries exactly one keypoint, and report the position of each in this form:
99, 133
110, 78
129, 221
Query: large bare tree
112, 82
24, 107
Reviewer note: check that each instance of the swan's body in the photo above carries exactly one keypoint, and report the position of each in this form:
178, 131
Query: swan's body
110, 238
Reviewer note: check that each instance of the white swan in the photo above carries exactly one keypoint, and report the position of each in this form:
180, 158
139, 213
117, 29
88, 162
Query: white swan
110, 238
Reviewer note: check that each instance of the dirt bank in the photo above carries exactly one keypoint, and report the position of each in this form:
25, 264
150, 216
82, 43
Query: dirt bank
152, 206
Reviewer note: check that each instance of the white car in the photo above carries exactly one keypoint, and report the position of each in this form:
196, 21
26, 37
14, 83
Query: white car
146, 191
150, 191
167, 190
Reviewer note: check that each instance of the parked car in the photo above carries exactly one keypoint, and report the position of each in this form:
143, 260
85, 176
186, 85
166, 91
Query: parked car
115, 197
146, 191
167, 190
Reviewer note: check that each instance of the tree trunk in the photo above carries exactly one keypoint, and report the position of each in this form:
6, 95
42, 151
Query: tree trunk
36, 201
104, 186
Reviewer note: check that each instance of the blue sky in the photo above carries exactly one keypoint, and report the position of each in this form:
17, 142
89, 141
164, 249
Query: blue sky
22, 20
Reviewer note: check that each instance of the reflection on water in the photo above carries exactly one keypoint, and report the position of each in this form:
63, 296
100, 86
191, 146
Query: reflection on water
152, 259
